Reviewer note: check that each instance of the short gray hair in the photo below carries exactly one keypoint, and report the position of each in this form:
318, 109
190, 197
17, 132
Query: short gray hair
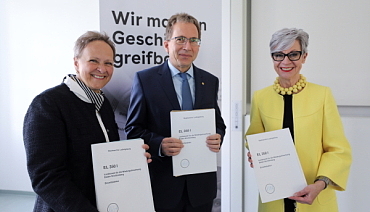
180, 17
88, 37
284, 39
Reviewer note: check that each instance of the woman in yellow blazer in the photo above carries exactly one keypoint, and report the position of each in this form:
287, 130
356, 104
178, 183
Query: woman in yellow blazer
310, 111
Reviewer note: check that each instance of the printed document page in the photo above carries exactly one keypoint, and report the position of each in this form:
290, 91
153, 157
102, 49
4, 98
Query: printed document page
277, 167
193, 127
121, 176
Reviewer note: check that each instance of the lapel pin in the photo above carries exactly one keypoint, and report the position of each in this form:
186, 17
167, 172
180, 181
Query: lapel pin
202, 83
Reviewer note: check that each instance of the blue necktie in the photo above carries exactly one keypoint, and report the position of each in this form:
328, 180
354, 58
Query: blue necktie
187, 100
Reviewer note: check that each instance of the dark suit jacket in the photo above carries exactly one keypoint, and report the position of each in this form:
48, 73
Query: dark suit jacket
59, 129
153, 97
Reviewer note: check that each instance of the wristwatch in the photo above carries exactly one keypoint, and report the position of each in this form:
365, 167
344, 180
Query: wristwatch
324, 179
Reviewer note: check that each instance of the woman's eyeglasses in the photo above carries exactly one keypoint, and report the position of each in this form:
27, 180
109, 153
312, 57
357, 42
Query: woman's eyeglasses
293, 56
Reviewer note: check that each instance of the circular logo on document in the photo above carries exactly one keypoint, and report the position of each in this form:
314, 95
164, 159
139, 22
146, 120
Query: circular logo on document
113, 207
185, 163
270, 188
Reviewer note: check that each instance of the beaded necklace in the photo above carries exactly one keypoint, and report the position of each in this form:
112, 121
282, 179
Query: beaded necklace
293, 89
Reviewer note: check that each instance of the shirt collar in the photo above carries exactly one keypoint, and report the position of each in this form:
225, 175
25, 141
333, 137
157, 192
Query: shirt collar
175, 71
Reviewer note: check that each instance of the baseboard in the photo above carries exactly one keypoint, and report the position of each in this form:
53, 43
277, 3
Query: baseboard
12, 192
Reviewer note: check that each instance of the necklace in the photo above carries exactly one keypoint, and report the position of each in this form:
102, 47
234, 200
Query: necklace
293, 89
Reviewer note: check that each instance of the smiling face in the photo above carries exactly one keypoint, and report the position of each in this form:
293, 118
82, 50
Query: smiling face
182, 56
287, 70
95, 65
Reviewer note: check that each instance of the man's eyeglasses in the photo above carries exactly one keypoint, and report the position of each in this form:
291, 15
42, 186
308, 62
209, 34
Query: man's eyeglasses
293, 56
181, 40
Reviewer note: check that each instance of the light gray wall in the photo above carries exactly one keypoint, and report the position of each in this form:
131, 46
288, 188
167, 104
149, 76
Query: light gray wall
37, 39
338, 48
356, 196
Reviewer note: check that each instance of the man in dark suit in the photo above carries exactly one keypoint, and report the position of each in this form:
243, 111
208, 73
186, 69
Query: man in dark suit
155, 93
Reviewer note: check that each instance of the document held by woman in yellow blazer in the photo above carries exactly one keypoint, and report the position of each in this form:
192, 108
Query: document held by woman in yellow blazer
277, 167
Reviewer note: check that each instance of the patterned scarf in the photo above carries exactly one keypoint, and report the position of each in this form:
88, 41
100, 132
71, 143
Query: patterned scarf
96, 98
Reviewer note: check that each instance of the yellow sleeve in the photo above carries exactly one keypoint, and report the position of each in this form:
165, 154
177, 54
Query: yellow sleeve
337, 157
256, 125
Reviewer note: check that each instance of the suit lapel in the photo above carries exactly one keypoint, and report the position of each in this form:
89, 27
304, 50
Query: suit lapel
199, 83
165, 79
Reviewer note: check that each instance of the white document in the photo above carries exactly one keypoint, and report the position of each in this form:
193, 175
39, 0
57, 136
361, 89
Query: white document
121, 176
277, 167
192, 128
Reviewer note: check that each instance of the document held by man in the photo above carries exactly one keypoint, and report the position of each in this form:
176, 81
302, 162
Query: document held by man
276, 164
121, 176
192, 128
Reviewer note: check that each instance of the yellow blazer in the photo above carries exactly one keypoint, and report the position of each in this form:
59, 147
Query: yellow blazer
320, 142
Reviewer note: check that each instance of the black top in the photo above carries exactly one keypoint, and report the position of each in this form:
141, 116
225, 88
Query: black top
288, 123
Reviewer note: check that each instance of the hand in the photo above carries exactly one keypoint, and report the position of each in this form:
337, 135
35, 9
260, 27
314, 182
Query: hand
309, 193
214, 142
171, 146
250, 159
147, 154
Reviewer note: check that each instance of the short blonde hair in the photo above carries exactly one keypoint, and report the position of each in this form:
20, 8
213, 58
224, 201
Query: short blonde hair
88, 37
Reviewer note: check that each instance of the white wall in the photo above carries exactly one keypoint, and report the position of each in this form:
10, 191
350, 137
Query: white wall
37, 39
338, 46
356, 196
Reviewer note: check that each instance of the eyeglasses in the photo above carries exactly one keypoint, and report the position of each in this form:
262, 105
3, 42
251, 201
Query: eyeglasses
293, 56
181, 40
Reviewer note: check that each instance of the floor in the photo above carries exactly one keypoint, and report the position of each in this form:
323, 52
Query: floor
19, 201
16, 201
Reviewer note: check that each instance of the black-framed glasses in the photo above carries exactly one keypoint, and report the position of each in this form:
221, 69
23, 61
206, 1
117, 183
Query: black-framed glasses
293, 56
181, 40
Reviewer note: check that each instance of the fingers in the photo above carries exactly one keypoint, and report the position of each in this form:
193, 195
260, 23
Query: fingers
214, 142
145, 146
214, 148
171, 146
307, 195
303, 200
216, 137
250, 159
148, 156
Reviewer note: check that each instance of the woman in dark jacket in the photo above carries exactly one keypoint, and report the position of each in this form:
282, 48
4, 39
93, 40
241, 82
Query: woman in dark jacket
62, 123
